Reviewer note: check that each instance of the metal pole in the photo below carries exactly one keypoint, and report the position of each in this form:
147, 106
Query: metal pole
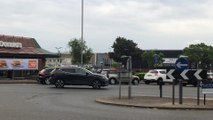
82, 30
161, 89
204, 101
198, 92
180, 91
119, 78
59, 53
130, 75
173, 91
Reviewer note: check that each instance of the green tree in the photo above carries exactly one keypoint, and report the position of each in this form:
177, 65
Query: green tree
123, 46
149, 56
199, 53
76, 46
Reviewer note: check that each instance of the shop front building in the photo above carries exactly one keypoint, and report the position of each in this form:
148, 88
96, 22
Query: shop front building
21, 57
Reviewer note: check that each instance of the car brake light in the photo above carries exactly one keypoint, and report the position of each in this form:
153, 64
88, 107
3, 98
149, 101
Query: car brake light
42, 74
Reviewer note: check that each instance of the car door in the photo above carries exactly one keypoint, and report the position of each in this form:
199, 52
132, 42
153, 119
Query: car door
82, 77
69, 75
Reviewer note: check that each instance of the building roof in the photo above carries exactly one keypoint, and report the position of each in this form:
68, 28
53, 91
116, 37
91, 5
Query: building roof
168, 53
24, 47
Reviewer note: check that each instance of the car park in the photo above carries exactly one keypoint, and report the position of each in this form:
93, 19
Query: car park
77, 76
156, 75
43, 75
114, 78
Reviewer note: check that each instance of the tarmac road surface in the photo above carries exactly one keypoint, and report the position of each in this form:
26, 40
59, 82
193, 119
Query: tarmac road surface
43, 102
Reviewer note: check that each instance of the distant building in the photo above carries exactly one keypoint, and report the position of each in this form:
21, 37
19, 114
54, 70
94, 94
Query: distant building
65, 59
170, 56
101, 60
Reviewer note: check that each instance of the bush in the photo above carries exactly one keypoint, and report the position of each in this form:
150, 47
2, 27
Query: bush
140, 75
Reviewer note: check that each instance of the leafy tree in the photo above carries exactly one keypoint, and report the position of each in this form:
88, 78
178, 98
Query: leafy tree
160, 57
149, 56
76, 46
199, 53
123, 46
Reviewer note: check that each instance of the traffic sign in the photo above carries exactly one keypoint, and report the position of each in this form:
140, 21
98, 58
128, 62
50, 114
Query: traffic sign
187, 74
181, 64
207, 86
155, 59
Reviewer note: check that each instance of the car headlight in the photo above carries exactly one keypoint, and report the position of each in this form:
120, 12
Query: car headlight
104, 77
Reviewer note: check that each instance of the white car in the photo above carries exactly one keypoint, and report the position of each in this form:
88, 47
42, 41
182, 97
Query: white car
156, 75
210, 76
113, 77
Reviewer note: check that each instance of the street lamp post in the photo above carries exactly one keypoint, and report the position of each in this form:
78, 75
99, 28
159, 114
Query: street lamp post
82, 30
59, 53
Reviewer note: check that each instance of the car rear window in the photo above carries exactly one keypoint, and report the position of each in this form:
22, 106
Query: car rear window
153, 71
48, 70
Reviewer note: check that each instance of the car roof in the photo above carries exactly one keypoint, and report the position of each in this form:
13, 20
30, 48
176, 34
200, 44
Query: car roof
158, 69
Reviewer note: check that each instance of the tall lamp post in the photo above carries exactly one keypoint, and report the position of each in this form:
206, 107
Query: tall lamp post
59, 53
82, 30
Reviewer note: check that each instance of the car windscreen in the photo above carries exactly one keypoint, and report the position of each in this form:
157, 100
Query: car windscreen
153, 71
85, 70
162, 72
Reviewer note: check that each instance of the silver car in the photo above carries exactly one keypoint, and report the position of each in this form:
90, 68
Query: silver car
113, 76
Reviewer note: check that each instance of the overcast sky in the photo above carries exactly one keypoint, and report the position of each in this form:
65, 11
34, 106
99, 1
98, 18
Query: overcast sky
152, 24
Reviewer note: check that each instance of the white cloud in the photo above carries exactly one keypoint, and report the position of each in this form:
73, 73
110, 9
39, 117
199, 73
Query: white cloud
53, 23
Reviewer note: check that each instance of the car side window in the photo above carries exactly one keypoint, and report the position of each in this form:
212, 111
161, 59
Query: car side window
81, 71
69, 70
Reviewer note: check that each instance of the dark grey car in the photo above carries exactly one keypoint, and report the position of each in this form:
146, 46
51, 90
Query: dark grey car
77, 76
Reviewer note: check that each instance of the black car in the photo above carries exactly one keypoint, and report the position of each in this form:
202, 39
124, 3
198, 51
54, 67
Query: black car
43, 75
77, 76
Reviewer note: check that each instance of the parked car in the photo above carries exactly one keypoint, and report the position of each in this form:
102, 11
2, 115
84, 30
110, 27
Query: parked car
77, 76
210, 76
156, 75
43, 75
113, 77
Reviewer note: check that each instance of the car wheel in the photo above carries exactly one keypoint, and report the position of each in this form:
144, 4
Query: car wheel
47, 81
112, 81
59, 84
194, 84
147, 82
160, 81
96, 84
42, 82
135, 82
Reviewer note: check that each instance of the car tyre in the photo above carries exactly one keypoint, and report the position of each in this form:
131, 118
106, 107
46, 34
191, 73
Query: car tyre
112, 81
47, 81
194, 84
59, 84
42, 82
135, 82
96, 84
160, 81
147, 82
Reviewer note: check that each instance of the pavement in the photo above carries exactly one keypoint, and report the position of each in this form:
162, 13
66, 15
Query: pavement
158, 103
28, 81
